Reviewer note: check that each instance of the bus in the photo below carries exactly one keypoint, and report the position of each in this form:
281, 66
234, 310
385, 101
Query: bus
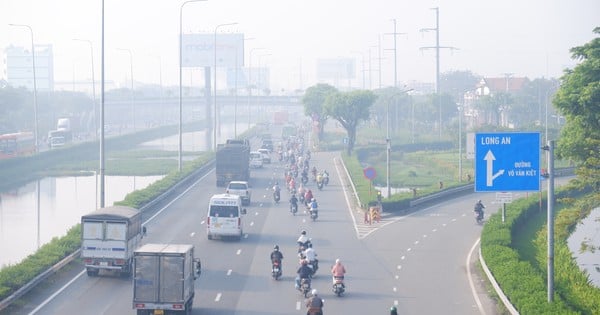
16, 144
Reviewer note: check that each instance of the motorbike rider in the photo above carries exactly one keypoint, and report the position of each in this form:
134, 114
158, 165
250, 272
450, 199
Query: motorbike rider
311, 255
303, 272
314, 172
308, 196
325, 177
276, 255
479, 208
313, 206
338, 271
314, 304
301, 191
293, 201
303, 240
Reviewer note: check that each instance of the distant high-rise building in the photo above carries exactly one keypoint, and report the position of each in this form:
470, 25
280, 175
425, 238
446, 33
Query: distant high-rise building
19, 71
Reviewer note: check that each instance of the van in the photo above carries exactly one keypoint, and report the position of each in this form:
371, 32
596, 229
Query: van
224, 217
256, 159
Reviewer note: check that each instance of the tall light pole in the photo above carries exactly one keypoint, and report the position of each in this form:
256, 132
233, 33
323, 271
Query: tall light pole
93, 84
215, 86
363, 66
250, 81
132, 96
179, 163
258, 82
35, 107
102, 157
388, 143
460, 113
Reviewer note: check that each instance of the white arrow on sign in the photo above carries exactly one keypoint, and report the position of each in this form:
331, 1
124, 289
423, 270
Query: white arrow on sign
490, 176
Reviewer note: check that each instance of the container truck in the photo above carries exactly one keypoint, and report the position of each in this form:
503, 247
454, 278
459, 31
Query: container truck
164, 277
232, 163
109, 237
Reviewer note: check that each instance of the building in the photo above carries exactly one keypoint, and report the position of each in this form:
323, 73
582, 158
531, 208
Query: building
18, 70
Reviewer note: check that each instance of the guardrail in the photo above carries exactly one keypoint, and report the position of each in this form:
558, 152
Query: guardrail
50, 271
450, 192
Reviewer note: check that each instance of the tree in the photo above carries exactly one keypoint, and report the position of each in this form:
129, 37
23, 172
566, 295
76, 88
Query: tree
578, 99
350, 109
313, 101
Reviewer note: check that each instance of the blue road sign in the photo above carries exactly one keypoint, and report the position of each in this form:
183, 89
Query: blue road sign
369, 173
507, 161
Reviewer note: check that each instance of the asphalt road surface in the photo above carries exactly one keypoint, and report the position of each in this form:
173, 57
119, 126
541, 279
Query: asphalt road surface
423, 263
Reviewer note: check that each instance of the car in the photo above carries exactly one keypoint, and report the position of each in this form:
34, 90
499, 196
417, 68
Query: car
266, 156
242, 189
267, 144
256, 159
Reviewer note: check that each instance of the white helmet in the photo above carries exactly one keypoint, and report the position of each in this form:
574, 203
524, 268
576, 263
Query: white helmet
337, 261
314, 292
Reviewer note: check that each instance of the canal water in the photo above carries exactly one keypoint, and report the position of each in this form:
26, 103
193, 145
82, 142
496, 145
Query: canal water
587, 233
24, 226
63, 200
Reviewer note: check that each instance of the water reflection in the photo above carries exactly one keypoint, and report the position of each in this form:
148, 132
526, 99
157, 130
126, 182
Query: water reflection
63, 200
588, 232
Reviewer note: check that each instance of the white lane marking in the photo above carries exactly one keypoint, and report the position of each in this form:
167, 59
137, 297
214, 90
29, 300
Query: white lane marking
434, 230
192, 234
470, 276
402, 258
218, 298
424, 235
246, 235
255, 213
64, 287
202, 222
444, 224
229, 272
453, 220
397, 277
394, 289
239, 251
398, 267
252, 223
395, 302
409, 249
416, 242
297, 305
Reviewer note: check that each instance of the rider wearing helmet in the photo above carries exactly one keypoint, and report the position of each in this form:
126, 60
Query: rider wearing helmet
276, 255
314, 304
479, 208
303, 272
338, 271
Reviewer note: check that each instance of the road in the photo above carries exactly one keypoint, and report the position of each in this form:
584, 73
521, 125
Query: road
417, 262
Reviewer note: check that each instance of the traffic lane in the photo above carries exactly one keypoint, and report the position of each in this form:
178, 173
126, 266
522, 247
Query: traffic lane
226, 262
333, 237
429, 256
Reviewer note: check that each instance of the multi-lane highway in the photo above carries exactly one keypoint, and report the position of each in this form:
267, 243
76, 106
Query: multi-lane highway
419, 262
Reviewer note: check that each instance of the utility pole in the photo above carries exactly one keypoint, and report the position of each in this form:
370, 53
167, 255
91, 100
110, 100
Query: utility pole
437, 48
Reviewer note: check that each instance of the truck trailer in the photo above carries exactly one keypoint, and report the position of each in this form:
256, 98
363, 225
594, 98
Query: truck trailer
109, 237
232, 163
164, 277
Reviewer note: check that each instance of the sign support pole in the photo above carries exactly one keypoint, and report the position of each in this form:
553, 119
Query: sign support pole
550, 152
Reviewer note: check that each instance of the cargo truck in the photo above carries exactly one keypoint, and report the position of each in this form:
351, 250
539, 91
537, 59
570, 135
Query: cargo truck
232, 162
164, 277
109, 237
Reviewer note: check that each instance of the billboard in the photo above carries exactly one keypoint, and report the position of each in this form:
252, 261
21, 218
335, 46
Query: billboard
198, 50
336, 69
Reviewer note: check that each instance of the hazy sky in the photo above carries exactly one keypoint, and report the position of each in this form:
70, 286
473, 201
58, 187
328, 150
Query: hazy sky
524, 37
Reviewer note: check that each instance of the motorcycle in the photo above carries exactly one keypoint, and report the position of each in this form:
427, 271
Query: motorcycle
276, 196
305, 286
320, 184
338, 286
293, 208
314, 214
276, 269
479, 217
314, 265
304, 179
301, 198
325, 179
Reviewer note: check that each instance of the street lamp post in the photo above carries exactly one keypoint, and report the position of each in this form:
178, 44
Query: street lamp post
179, 164
35, 107
215, 86
93, 83
258, 82
132, 96
250, 82
460, 145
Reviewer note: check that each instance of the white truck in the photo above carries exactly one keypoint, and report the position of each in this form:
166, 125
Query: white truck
164, 277
109, 237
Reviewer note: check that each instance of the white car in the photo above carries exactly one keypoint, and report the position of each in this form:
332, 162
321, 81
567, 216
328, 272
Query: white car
256, 159
242, 189
266, 156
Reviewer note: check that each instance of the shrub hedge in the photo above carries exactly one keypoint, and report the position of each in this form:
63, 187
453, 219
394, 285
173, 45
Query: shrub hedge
524, 283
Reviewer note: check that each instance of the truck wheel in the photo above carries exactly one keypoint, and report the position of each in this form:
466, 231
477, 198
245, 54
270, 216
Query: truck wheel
92, 272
